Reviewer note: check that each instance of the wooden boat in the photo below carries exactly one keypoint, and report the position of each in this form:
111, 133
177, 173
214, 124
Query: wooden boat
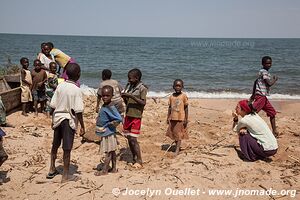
10, 91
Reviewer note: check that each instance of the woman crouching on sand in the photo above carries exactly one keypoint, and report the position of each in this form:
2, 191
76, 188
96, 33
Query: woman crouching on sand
255, 137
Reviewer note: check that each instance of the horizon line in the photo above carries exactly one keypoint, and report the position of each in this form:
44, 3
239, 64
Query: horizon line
126, 36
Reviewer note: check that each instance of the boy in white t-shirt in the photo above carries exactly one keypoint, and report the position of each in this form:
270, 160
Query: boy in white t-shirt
67, 103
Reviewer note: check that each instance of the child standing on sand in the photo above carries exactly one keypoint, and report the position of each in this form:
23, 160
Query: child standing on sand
135, 100
107, 120
26, 84
51, 85
261, 90
39, 78
67, 103
177, 115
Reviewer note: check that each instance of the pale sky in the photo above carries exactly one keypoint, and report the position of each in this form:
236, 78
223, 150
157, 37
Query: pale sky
153, 18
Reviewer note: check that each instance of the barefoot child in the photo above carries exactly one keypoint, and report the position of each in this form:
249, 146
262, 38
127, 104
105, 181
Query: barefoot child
177, 115
135, 100
67, 103
26, 84
261, 90
39, 78
51, 85
107, 120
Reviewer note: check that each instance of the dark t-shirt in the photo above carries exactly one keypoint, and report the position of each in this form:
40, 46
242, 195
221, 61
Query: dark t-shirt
38, 77
133, 108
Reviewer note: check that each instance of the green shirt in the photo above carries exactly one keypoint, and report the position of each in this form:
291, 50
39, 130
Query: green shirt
133, 109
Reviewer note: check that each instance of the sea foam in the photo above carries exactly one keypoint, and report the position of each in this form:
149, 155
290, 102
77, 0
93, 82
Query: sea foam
203, 95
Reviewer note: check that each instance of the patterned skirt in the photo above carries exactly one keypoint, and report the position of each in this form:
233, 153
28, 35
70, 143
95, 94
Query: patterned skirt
176, 131
108, 144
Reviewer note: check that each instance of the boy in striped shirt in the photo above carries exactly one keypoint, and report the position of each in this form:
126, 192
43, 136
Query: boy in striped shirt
261, 90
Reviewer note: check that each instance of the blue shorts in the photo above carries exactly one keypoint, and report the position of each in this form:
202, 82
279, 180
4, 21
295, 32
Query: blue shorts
39, 95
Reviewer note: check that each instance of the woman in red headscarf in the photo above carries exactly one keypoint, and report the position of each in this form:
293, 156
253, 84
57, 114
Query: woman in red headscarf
255, 137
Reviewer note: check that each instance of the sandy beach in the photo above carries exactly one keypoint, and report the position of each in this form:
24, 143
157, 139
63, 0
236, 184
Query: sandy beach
208, 160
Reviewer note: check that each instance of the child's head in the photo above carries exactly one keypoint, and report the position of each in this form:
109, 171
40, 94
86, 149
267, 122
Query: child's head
266, 62
43, 44
37, 64
53, 67
134, 76
46, 49
178, 85
24, 62
107, 93
51, 45
73, 71
106, 74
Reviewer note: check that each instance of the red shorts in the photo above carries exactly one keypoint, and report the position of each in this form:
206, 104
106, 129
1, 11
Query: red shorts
262, 103
132, 126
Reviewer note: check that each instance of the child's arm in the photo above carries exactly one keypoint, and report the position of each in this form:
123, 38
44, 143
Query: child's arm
45, 79
80, 119
58, 71
44, 68
186, 112
267, 79
272, 81
52, 85
98, 102
115, 117
139, 101
169, 113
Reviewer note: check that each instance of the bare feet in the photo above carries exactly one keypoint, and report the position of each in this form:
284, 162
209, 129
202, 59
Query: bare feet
65, 179
7, 125
25, 114
100, 173
113, 170
136, 165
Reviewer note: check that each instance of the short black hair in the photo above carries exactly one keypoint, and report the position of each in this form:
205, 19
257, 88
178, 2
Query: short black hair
265, 58
106, 74
52, 64
43, 44
50, 44
36, 61
23, 59
72, 70
109, 88
178, 80
136, 72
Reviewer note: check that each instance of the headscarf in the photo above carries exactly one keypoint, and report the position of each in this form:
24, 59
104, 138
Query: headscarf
244, 105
